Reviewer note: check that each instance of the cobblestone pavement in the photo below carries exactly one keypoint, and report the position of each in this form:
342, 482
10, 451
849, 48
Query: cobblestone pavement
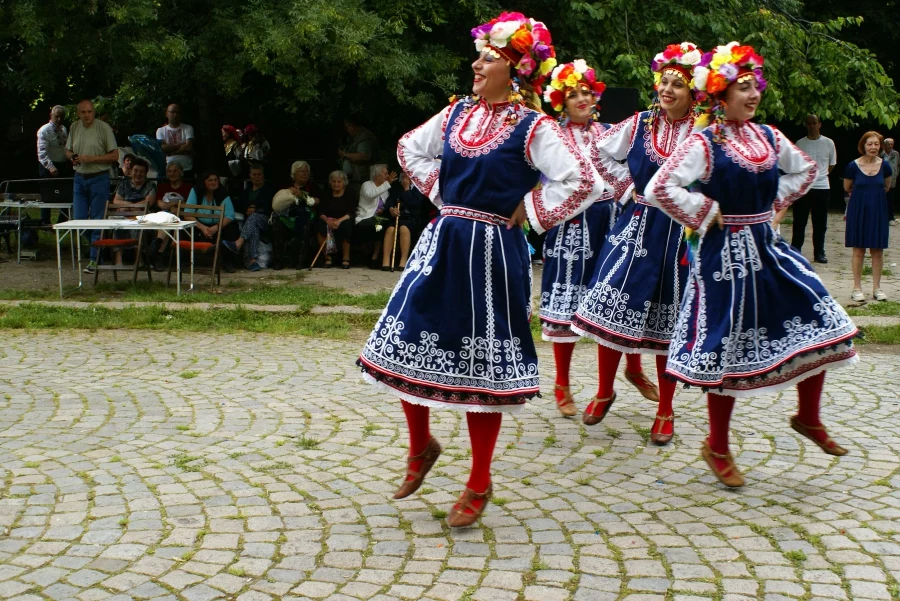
146, 465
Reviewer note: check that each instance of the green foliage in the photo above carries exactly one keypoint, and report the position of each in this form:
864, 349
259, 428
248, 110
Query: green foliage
314, 58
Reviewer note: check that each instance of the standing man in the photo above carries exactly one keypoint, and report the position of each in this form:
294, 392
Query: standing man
359, 154
51, 153
177, 140
92, 149
821, 150
893, 158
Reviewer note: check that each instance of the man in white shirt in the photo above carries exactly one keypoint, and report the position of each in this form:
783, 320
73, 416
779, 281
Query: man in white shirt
177, 140
52, 161
893, 159
821, 150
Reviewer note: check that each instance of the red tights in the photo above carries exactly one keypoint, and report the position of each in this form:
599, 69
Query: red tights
484, 428
608, 365
809, 393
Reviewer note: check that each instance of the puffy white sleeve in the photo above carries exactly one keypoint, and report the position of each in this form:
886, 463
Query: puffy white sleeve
691, 161
569, 185
613, 146
800, 171
418, 152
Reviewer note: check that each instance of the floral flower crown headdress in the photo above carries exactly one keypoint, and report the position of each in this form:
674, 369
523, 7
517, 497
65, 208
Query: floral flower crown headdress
524, 42
569, 77
726, 65
680, 60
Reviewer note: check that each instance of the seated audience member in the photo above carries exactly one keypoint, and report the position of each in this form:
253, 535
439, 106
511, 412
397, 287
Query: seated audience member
257, 204
413, 214
127, 162
291, 223
134, 191
208, 191
372, 196
169, 193
335, 215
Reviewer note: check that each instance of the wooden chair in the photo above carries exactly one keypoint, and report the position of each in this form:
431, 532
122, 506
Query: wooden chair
191, 212
107, 241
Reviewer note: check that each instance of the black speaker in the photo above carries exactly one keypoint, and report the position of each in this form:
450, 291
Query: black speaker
618, 104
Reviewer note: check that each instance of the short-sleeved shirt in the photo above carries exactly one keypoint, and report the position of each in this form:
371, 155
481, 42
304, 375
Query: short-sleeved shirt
822, 151
177, 135
365, 142
192, 200
96, 140
893, 160
130, 193
183, 191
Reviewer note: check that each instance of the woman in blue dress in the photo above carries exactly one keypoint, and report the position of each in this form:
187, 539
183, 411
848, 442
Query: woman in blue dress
632, 299
754, 318
455, 333
868, 179
571, 248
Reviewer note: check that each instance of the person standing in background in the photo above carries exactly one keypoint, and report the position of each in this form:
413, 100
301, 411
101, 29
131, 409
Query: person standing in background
177, 140
92, 149
893, 159
51, 153
821, 150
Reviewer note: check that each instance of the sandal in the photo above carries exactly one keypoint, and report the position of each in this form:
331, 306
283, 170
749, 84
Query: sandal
657, 437
345, 264
566, 405
591, 416
328, 262
648, 389
459, 517
829, 446
729, 476
413, 479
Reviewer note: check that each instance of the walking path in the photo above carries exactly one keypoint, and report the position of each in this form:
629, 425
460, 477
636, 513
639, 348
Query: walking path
158, 465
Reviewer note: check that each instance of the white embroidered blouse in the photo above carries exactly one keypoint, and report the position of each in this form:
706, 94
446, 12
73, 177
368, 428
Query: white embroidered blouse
747, 146
569, 186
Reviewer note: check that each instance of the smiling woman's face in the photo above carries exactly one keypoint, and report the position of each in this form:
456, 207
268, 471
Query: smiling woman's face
491, 79
674, 94
742, 99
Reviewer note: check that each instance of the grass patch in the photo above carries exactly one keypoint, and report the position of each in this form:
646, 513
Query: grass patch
599, 452
426, 491
182, 461
499, 501
879, 482
438, 514
867, 270
287, 291
115, 459
583, 480
182, 428
338, 326
307, 443
369, 428
885, 308
879, 335
549, 441
235, 571
280, 443
614, 434
797, 556
189, 374
32, 464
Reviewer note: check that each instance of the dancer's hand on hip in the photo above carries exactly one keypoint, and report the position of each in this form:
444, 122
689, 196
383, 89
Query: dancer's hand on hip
518, 217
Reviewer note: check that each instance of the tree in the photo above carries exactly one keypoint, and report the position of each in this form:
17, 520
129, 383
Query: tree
309, 60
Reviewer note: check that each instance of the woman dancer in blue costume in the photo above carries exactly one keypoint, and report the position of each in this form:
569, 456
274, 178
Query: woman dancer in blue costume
755, 318
455, 333
571, 248
632, 300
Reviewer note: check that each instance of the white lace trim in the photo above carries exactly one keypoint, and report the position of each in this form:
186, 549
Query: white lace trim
435, 404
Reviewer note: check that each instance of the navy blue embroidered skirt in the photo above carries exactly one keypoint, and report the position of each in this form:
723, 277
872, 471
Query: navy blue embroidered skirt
455, 333
755, 317
632, 300
571, 250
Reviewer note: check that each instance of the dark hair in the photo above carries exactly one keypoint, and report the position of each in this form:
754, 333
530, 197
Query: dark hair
129, 157
861, 147
200, 187
257, 165
138, 162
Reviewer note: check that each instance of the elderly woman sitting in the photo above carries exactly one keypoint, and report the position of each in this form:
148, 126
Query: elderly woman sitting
372, 196
169, 193
293, 210
335, 212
